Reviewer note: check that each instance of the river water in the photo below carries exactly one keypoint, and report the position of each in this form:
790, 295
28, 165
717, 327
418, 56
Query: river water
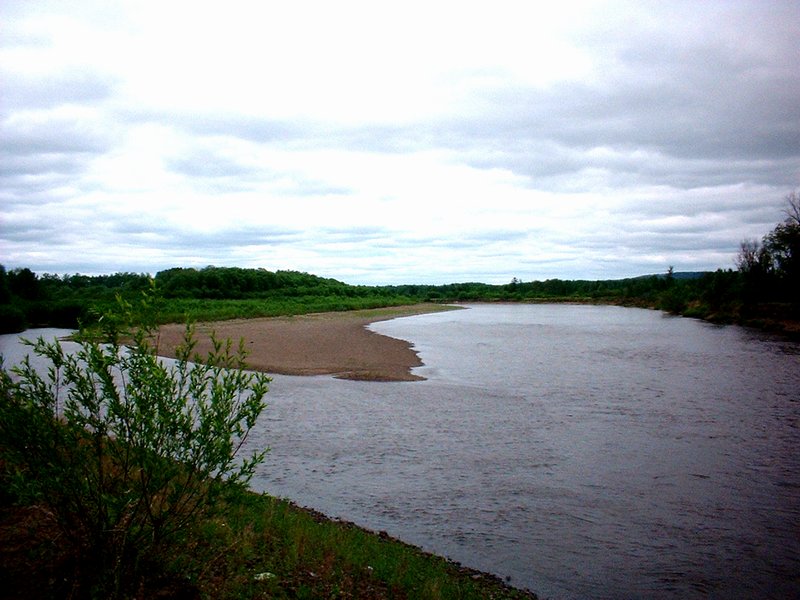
579, 451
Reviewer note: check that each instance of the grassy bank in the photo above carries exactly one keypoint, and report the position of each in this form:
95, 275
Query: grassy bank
287, 551
135, 491
255, 547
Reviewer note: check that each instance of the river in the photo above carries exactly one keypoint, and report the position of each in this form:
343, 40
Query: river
578, 451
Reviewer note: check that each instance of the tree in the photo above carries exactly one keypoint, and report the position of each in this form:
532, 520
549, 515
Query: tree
755, 265
23, 283
771, 269
793, 209
126, 450
783, 246
753, 258
5, 293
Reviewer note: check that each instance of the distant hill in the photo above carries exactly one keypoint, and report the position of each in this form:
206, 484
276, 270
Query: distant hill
689, 274
678, 275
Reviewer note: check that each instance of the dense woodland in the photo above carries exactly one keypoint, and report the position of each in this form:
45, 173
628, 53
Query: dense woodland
763, 290
214, 293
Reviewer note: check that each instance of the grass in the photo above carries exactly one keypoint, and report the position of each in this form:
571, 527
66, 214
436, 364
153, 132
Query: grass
178, 310
256, 546
181, 310
275, 549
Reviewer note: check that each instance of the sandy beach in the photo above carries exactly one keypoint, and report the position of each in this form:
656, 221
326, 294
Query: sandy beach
334, 343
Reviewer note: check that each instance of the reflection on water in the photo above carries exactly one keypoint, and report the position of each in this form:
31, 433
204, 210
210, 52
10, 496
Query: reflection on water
581, 451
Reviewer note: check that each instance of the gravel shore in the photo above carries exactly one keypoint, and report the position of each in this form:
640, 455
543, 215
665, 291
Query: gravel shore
333, 343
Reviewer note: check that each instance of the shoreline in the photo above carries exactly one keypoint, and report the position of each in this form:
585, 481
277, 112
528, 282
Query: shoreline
330, 343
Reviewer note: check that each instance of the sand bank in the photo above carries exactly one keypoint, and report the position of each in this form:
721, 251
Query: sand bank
334, 343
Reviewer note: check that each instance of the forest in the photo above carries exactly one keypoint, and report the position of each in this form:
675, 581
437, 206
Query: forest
218, 293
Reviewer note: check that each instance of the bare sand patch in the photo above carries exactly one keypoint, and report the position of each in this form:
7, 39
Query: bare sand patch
333, 343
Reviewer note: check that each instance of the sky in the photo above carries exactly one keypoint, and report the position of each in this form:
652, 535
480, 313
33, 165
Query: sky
403, 142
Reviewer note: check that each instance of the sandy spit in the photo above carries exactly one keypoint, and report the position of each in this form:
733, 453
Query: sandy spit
332, 343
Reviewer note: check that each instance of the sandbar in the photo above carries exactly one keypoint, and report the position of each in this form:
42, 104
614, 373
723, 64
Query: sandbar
331, 343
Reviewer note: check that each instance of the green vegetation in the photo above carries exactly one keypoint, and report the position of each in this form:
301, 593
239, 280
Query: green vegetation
770, 269
125, 452
729, 296
277, 550
254, 546
212, 293
763, 290
121, 478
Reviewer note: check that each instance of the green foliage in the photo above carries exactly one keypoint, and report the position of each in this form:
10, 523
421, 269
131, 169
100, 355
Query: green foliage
27, 300
213, 293
768, 273
771, 268
273, 549
23, 283
178, 309
125, 450
12, 319
5, 292
226, 283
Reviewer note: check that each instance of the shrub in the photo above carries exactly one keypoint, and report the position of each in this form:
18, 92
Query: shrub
126, 450
12, 319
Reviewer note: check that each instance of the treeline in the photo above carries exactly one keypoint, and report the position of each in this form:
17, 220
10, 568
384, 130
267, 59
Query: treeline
217, 293
764, 289
771, 268
29, 300
211, 293
551, 289
713, 295
233, 283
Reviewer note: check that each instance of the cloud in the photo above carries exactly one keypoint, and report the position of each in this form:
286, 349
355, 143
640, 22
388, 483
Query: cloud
28, 92
435, 143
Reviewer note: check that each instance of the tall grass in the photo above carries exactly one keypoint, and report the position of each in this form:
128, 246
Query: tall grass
267, 547
178, 310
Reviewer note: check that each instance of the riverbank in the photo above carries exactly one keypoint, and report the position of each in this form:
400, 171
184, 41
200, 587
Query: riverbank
330, 343
251, 546
256, 546
340, 344
777, 318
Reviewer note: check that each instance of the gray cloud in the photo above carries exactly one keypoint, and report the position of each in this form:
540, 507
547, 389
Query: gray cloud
215, 169
657, 134
355, 234
45, 133
679, 140
44, 153
23, 91
206, 124
169, 236
712, 107
12, 165
208, 163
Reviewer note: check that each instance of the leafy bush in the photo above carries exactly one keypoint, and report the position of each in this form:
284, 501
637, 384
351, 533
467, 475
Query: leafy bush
126, 450
12, 319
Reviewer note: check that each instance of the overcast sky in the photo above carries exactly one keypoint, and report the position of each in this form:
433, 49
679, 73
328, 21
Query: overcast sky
403, 142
